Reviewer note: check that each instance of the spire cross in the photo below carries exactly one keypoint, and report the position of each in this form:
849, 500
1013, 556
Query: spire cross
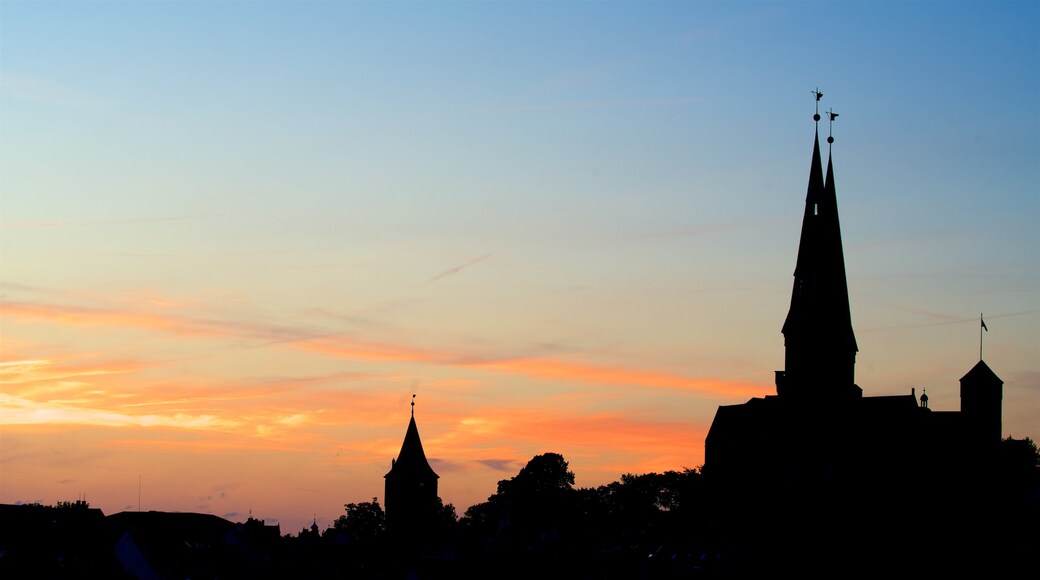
413, 404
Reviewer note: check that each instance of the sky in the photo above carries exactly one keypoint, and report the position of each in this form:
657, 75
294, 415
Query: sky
236, 237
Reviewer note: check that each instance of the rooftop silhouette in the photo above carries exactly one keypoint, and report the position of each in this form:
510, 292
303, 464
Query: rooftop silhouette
818, 463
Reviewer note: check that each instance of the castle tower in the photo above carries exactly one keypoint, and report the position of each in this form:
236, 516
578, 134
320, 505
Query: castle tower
981, 394
411, 485
820, 346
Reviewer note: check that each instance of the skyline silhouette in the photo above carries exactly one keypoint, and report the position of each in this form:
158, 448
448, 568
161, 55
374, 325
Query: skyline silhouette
818, 479
235, 241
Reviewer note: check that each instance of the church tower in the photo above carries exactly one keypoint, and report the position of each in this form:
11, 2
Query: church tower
411, 485
820, 346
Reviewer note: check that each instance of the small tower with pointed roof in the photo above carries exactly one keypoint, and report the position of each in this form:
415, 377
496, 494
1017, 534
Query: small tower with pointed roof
819, 344
411, 485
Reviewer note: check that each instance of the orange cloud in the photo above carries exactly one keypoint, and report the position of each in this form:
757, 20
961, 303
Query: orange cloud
83, 390
542, 368
92, 316
24, 372
599, 374
350, 348
144, 320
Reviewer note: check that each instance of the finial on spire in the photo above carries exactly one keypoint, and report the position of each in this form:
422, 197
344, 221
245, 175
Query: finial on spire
818, 96
413, 404
830, 134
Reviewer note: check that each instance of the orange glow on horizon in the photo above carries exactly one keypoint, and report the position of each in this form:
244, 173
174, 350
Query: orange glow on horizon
344, 420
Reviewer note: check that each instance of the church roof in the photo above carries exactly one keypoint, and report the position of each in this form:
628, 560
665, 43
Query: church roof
411, 461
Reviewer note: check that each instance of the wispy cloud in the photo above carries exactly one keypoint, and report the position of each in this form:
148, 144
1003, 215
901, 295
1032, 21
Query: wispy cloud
154, 320
441, 465
25, 372
940, 319
610, 375
22, 411
456, 269
87, 390
331, 344
505, 465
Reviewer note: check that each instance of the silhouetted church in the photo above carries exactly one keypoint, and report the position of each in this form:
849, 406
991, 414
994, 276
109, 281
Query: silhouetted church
411, 486
819, 458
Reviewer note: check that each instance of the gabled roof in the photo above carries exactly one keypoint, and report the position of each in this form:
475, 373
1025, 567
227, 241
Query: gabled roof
889, 404
411, 461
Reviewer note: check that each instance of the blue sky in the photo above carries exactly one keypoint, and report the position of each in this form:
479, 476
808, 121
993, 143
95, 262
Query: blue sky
312, 209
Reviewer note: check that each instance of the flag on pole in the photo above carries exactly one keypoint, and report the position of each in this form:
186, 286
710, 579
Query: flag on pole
983, 324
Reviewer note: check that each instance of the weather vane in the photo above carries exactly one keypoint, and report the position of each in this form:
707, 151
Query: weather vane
413, 404
818, 96
830, 135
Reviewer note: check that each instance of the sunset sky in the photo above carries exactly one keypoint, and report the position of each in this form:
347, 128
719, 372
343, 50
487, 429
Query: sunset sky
235, 237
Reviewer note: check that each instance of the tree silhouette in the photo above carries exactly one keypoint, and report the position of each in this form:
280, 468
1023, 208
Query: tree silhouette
546, 473
364, 522
539, 521
446, 518
528, 510
79, 504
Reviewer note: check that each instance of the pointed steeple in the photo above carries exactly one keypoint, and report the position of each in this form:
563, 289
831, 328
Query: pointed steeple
411, 461
841, 326
806, 246
820, 347
412, 458
411, 484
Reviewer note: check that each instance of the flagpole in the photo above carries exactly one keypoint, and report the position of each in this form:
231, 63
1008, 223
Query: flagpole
982, 324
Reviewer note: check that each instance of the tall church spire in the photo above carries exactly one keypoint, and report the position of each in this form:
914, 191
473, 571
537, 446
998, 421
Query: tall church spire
820, 347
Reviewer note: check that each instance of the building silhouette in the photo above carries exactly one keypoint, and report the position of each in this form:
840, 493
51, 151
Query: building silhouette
820, 475
71, 540
411, 500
